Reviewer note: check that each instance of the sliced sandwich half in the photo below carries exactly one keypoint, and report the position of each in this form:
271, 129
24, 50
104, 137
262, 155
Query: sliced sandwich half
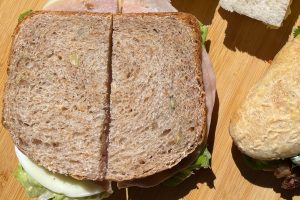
157, 102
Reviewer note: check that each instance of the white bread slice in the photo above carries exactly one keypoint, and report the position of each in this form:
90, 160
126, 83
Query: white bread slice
56, 95
158, 112
271, 12
267, 125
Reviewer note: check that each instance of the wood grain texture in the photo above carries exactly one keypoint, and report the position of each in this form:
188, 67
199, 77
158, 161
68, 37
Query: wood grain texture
239, 48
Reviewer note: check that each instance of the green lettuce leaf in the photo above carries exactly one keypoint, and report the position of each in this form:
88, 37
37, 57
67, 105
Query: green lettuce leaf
23, 15
297, 31
54, 196
204, 31
32, 187
36, 190
202, 161
260, 164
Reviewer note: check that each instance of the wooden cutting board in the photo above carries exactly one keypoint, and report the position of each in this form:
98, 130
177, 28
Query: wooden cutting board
239, 48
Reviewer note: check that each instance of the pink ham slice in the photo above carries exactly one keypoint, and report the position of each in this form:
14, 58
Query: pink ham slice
209, 79
102, 6
133, 6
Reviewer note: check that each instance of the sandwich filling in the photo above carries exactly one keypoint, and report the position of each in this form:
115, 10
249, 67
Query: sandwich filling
42, 184
287, 169
102, 6
201, 161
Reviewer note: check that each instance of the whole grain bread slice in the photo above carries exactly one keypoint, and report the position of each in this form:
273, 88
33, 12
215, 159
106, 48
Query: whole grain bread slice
158, 112
56, 96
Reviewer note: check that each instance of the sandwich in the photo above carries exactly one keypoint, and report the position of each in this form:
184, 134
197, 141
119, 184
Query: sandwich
94, 98
266, 126
271, 12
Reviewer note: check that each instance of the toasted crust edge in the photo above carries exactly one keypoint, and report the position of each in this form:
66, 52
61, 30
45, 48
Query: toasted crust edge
14, 37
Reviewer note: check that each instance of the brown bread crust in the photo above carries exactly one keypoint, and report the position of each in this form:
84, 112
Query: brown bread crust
82, 155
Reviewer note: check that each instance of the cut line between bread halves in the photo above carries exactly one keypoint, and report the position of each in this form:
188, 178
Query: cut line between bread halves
105, 97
